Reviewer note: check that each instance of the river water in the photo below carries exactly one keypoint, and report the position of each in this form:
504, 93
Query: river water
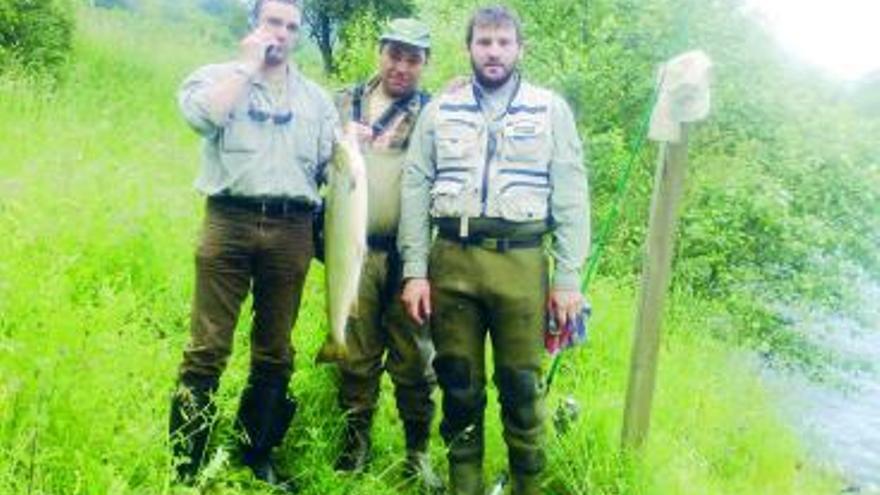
838, 416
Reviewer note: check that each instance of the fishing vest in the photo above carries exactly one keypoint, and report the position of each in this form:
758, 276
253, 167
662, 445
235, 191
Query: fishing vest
384, 166
497, 169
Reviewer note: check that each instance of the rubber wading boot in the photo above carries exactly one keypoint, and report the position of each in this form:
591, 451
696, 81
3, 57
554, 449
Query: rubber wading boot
357, 442
418, 463
190, 422
466, 478
525, 484
264, 414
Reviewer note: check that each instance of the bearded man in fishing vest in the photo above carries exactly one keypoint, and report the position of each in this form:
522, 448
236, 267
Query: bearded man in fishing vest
382, 113
267, 133
495, 166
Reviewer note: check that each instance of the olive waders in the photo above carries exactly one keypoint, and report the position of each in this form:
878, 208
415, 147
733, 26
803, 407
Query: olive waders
381, 336
495, 287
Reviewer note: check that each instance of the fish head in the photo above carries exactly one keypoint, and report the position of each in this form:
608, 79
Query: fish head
348, 161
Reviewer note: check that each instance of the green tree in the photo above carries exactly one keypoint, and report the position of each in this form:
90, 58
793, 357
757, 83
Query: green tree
35, 34
326, 20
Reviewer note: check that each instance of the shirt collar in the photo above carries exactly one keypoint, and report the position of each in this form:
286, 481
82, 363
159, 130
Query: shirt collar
292, 76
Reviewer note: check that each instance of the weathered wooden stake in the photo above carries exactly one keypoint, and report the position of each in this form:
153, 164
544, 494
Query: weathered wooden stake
668, 189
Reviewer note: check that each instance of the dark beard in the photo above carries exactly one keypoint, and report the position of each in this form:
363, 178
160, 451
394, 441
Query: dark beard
491, 84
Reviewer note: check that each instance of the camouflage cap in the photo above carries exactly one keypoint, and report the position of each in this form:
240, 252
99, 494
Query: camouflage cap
409, 32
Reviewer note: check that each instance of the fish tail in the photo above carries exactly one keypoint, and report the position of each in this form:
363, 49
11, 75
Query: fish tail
332, 352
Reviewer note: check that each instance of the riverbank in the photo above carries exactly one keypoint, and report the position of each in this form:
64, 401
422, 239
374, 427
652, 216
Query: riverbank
99, 218
836, 412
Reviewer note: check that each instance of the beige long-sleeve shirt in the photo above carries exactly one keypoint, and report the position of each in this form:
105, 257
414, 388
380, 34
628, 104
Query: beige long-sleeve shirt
268, 145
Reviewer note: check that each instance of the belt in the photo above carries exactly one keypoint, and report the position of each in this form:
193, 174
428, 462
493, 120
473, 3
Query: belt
270, 207
382, 242
499, 244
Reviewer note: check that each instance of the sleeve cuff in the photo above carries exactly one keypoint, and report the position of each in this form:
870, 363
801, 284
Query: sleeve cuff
567, 280
415, 269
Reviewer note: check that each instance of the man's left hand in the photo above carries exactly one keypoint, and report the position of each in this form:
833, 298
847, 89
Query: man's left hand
564, 305
363, 133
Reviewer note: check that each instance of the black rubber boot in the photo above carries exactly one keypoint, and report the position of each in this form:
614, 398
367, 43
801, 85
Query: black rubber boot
466, 478
264, 414
466, 461
357, 442
525, 484
418, 463
190, 422
526, 466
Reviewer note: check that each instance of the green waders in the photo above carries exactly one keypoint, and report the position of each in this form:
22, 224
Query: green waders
381, 325
475, 291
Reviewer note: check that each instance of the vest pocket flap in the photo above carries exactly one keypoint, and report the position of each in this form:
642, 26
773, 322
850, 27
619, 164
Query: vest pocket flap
447, 186
524, 201
525, 140
455, 141
448, 198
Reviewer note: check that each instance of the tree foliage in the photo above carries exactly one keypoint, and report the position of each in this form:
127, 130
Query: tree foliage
326, 20
35, 34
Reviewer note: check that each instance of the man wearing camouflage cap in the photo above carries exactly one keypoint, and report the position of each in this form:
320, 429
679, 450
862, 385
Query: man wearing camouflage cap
382, 113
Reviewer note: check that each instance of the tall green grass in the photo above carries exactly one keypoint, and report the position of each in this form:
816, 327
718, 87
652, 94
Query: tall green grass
98, 221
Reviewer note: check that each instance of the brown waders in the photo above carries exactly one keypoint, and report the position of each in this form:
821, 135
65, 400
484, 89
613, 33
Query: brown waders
381, 336
479, 289
244, 246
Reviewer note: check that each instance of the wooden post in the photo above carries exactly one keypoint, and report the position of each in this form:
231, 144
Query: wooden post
668, 189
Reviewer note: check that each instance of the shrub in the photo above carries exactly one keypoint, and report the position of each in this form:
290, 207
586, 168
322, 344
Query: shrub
35, 34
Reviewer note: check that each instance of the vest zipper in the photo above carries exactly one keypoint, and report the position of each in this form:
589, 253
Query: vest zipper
492, 140
491, 147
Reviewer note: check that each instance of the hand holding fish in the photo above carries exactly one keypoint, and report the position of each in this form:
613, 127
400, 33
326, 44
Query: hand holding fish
362, 133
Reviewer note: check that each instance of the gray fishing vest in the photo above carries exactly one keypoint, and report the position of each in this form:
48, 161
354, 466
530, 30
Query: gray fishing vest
497, 169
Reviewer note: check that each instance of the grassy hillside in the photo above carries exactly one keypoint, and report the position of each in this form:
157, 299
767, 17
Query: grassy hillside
99, 219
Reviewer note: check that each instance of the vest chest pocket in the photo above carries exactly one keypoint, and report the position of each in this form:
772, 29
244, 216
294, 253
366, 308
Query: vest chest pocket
521, 201
456, 141
526, 142
446, 197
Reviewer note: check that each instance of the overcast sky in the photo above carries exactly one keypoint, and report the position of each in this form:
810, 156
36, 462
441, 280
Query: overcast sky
842, 36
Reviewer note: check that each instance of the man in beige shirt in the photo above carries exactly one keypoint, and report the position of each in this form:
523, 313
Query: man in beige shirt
267, 133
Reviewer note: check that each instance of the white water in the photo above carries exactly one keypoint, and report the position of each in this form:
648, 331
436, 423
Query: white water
839, 416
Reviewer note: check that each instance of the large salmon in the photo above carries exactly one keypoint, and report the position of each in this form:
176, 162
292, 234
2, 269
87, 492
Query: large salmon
345, 241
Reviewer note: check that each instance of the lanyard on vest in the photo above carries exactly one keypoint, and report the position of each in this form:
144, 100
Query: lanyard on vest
478, 97
491, 142
399, 106
493, 121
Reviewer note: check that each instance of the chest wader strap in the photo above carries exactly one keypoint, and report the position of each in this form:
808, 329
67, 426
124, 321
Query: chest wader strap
357, 101
396, 108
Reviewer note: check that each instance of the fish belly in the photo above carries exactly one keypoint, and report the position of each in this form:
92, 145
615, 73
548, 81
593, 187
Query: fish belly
345, 250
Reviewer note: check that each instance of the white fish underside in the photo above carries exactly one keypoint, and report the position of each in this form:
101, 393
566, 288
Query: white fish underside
345, 242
